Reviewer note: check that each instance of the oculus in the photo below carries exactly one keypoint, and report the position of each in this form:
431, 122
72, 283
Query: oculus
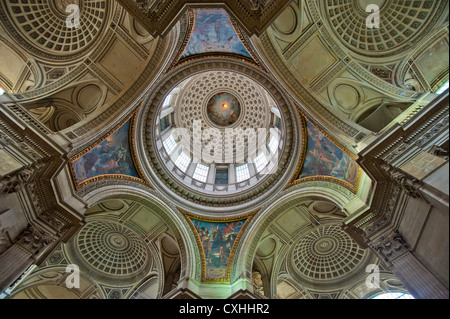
223, 109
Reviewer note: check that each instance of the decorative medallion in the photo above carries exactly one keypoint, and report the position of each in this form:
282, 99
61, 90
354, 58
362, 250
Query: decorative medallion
223, 109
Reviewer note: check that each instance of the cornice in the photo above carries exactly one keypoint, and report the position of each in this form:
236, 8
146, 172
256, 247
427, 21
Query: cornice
382, 160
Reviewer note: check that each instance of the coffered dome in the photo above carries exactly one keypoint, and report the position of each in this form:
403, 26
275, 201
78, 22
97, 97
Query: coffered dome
43, 28
109, 248
221, 100
326, 254
167, 149
402, 24
219, 138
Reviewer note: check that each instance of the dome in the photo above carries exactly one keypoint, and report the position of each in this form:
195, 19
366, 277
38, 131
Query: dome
222, 135
123, 252
401, 24
182, 150
50, 28
326, 254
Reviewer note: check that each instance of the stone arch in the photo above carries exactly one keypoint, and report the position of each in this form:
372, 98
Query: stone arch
83, 134
55, 276
329, 192
174, 220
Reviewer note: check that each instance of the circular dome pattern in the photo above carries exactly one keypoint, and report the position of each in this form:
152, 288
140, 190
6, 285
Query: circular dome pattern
223, 109
186, 163
112, 248
61, 5
326, 253
401, 24
44, 24
192, 105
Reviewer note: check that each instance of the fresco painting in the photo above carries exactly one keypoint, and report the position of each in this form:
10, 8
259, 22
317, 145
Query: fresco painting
217, 240
111, 157
213, 32
324, 158
223, 109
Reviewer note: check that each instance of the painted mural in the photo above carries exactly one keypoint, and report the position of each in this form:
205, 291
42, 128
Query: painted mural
111, 157
213, 32
217, 240
324, 158
223, 109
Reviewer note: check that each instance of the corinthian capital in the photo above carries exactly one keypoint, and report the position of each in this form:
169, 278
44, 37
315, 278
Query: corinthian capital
408, 183
35, 240
391, 247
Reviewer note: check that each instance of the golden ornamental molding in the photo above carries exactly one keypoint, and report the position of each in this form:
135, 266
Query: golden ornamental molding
132, 138
295, 180
304, 145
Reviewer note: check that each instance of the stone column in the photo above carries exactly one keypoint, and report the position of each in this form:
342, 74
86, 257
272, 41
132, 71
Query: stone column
14, 261
395, 253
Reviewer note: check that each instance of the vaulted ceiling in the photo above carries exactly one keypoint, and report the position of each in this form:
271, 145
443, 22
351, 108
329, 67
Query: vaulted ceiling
111, 92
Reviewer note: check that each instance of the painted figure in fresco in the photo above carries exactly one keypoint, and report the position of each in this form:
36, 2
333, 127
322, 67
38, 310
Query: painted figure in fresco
111, 157
223, 109
324, 158
229, 228
222, 256
217, 237
217, 240
213, 32
208, 246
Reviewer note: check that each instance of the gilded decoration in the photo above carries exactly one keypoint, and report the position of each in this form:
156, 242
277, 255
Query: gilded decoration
217, 240
324, 159
111, 157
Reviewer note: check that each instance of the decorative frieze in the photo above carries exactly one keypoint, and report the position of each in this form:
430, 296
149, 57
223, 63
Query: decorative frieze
12, 183
409, 184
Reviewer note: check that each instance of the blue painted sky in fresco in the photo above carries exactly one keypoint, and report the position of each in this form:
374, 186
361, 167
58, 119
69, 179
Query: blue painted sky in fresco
324, 158
217, 239
213, 32
112, 156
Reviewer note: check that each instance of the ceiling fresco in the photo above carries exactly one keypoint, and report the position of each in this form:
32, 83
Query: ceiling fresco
217, 240
110, 157
223, 109
197, 149
213, 32
325, 159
